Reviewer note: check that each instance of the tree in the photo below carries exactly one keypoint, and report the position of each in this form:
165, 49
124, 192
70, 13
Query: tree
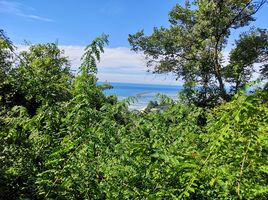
6, 62
251, 50
5, 56
192, 46
41, 77
86, 81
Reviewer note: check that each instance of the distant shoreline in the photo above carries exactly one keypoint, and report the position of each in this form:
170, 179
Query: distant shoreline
151, 84
143, 92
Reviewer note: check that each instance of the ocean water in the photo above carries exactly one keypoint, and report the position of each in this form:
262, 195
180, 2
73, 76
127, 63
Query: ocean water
143, 92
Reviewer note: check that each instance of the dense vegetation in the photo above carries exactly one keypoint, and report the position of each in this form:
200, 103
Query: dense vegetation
62, 138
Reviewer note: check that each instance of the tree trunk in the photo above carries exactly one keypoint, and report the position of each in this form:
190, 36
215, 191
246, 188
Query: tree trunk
223, 93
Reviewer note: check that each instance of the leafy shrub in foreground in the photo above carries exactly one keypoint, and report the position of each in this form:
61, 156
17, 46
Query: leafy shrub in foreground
89, 146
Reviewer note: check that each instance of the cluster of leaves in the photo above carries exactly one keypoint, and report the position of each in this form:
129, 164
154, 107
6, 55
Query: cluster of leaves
193, 48
62, 138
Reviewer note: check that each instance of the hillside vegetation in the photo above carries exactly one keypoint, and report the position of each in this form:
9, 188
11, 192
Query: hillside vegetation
62, 138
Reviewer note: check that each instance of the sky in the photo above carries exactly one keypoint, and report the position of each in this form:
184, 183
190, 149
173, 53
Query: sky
73, 24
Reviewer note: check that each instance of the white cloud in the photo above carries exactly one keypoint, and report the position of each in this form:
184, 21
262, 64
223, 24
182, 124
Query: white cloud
21, 47
9, 7
18, 9
143, 78
117, 65
112, 58
225, 57
35, 17
120, 65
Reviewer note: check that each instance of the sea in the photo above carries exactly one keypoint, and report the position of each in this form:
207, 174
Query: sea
143, 93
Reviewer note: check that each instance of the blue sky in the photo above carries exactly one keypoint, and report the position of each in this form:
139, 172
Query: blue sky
78, 22
75, 23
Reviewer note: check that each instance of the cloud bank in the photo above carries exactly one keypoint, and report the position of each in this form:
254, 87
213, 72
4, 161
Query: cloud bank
122, 65
117, 65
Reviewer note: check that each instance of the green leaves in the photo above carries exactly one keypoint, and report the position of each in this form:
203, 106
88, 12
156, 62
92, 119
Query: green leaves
250, 50
192, 48
92, 55
81, 144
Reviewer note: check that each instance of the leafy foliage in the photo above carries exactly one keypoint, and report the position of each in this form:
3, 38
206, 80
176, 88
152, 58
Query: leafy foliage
62, 138
251, 49
192, 47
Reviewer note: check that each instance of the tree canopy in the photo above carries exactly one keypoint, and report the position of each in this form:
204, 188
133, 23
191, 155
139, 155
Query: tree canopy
192, 47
